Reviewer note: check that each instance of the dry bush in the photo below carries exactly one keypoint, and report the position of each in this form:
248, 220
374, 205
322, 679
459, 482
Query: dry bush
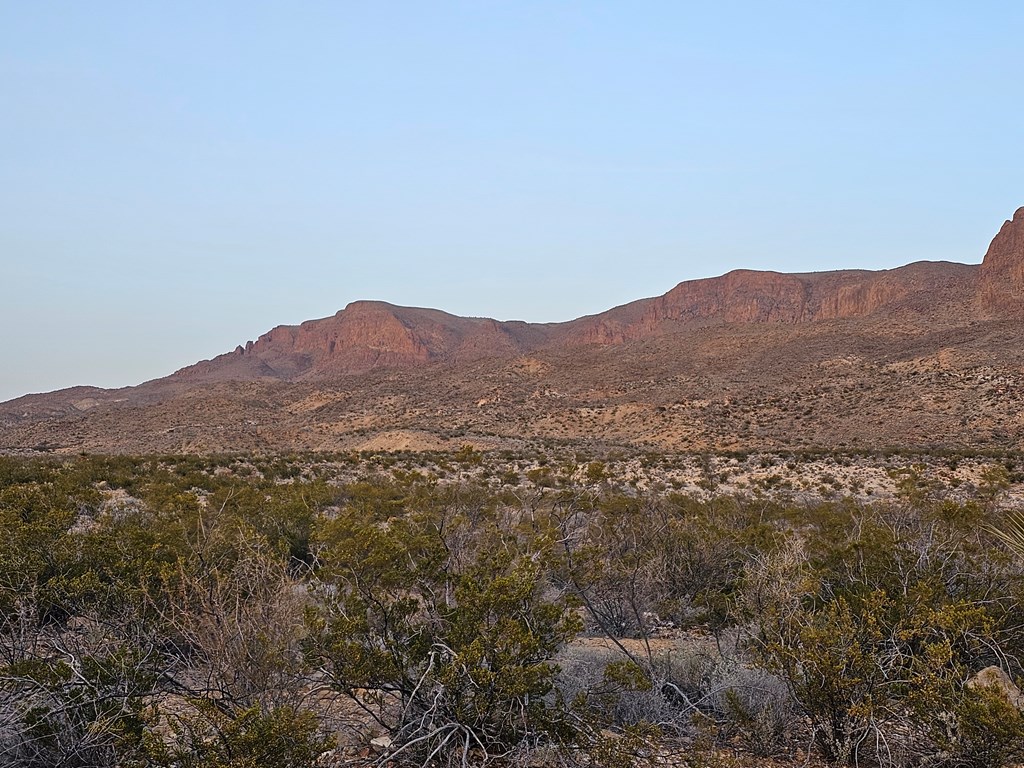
756, 708
235, 624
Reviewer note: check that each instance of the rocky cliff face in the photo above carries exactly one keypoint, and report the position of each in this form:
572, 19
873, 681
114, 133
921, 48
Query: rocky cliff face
366, 336
768, 297
931, 289
1001, 291
363, 336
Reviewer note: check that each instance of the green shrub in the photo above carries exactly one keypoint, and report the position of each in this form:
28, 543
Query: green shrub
208, 737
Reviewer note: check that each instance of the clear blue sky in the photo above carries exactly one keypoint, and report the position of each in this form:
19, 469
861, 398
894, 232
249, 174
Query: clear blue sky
178, 177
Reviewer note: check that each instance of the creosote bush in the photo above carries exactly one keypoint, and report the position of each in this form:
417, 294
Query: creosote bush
443, 633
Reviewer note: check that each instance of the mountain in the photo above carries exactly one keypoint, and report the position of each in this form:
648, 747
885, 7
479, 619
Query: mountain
923, 355
365, 336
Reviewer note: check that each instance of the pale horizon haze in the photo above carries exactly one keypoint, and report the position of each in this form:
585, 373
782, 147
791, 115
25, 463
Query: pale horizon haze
178, 178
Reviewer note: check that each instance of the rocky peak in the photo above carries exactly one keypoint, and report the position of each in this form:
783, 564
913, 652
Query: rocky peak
363, 336
1002, 272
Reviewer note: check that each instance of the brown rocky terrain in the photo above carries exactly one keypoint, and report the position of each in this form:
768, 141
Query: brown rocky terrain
925, 355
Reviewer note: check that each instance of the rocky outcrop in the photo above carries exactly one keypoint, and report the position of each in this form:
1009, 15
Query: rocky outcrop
995, 679
1001, 290
934, 290
769, 297
363, 336
367, 336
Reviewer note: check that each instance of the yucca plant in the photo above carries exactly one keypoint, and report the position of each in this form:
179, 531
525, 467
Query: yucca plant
1011, 533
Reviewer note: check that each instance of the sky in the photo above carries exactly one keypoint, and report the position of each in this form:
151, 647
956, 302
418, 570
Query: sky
176, 178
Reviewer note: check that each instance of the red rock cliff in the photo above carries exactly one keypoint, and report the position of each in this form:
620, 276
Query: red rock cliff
1001, 291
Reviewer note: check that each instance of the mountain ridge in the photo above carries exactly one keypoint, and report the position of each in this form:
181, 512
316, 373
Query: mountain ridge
374, 334
435, 374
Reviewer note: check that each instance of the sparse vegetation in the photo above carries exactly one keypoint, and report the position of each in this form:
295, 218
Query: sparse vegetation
477, 608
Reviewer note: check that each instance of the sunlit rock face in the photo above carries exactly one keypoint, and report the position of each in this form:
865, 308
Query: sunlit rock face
1001, 292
